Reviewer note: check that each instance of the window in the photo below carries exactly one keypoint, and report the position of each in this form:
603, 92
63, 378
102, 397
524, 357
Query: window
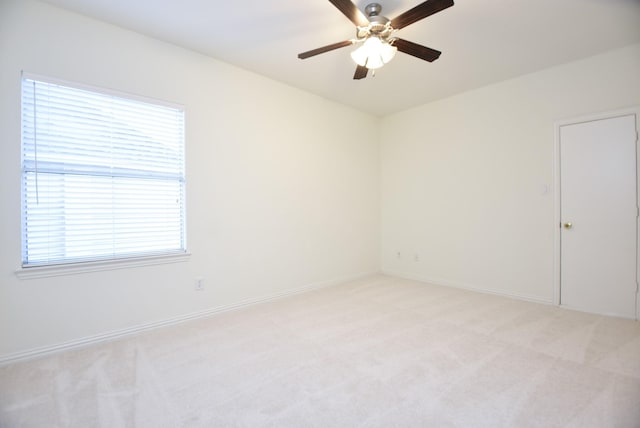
102, 176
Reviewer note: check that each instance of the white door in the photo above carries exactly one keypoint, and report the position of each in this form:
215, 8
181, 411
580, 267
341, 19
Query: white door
598, 210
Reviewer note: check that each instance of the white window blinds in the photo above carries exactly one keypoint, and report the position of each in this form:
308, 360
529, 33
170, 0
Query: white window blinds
102, 176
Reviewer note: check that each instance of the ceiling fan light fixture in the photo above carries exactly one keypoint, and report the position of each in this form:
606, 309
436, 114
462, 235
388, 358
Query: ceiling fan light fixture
376, 34
374, 53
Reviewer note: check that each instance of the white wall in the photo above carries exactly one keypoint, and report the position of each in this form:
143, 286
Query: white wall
464, 179
276, 199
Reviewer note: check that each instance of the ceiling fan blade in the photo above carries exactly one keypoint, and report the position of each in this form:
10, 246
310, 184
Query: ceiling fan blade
419, 12
305, 55
361, 72
417, 50
351, 11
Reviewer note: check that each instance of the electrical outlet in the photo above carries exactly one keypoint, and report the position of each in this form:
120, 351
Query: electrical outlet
416, 257
398, 255
199, 283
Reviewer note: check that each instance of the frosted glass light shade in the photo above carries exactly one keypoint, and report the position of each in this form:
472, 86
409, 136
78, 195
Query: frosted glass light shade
374, 53
388, 52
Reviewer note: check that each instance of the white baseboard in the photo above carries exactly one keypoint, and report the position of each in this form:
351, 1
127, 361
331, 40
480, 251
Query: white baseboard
605, 314
120, 333
446, 283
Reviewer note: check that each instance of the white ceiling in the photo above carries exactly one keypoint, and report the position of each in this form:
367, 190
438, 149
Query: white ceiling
483, 41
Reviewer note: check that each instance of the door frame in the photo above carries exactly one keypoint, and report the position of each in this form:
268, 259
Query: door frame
556, 186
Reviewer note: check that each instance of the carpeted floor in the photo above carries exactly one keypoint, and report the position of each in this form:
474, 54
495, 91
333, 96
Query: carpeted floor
377, 352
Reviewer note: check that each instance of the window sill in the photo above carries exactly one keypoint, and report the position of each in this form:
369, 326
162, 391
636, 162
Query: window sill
88, 267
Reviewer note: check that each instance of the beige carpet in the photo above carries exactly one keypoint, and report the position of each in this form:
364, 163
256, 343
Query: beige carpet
378, 352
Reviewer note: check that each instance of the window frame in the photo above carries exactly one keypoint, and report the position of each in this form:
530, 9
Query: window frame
100, 262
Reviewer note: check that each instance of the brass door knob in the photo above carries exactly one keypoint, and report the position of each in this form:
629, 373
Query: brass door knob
568, 225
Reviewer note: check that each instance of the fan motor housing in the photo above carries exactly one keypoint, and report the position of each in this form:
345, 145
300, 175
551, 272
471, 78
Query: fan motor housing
373, 9
378, 24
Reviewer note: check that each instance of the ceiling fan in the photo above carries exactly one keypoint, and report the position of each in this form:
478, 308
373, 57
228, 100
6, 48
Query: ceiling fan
376, 34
